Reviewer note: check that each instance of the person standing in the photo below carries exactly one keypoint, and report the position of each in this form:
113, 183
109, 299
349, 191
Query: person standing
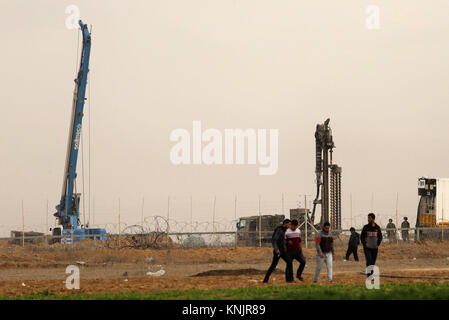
405, 226
391, 231
294, 248
325, 252
371, 239
280, 251
353, 245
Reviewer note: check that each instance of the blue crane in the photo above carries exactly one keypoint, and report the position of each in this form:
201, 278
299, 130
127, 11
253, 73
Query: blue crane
68, 208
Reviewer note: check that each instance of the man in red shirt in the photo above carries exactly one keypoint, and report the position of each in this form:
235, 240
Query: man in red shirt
294, 249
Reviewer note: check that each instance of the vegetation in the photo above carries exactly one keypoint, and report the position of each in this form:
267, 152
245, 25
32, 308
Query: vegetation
389, 291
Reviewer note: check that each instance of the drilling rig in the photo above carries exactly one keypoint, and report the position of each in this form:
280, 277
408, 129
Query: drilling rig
328, 179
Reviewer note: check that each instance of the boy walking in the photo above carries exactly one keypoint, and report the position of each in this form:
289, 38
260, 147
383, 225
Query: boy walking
353, 245
294, 249
325, 252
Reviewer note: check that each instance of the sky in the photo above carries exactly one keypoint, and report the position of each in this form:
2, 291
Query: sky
157, 66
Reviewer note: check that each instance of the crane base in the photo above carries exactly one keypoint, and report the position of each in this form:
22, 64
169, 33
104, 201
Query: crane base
71, 236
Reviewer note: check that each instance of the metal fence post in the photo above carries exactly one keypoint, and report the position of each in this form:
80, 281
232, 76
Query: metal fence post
235, 240
306, 226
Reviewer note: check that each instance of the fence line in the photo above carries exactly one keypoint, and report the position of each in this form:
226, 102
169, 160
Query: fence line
138, 237
191, 207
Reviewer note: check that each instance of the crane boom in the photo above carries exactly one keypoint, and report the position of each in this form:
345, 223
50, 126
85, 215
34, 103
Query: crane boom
68, 208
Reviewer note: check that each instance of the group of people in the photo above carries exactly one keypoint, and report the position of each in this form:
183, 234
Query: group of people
391, 230
287, 245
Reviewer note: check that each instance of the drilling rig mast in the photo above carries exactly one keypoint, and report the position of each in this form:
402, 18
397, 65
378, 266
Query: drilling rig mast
330, 205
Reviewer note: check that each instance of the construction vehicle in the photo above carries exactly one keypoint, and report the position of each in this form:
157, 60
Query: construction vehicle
257, 230
68, 213
330, 204
433, 209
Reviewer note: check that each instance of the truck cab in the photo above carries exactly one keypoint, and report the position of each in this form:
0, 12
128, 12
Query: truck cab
255, 230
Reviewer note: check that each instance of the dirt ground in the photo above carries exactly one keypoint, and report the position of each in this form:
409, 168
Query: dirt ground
33, 269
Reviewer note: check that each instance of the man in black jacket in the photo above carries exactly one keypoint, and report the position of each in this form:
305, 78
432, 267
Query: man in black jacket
280, 251
371, 238
353, 244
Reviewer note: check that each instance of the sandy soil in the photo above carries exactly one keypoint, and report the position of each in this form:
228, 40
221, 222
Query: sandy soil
34, 269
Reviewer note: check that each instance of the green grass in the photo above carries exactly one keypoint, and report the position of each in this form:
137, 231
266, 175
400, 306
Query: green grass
395, 291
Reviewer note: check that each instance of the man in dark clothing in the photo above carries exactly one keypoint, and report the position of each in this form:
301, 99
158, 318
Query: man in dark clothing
391, 231
371, 239
280, 251
353, 244
405, 226
294, 250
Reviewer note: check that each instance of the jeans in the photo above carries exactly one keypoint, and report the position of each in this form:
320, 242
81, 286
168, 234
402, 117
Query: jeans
327, 259
297, 255
371, 256
352, 250
274, 263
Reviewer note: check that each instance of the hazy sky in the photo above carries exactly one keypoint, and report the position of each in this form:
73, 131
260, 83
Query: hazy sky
287, 65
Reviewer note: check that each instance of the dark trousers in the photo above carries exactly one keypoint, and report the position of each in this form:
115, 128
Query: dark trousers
371, 256
298, 256
352, 250
274, 263
405, 236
